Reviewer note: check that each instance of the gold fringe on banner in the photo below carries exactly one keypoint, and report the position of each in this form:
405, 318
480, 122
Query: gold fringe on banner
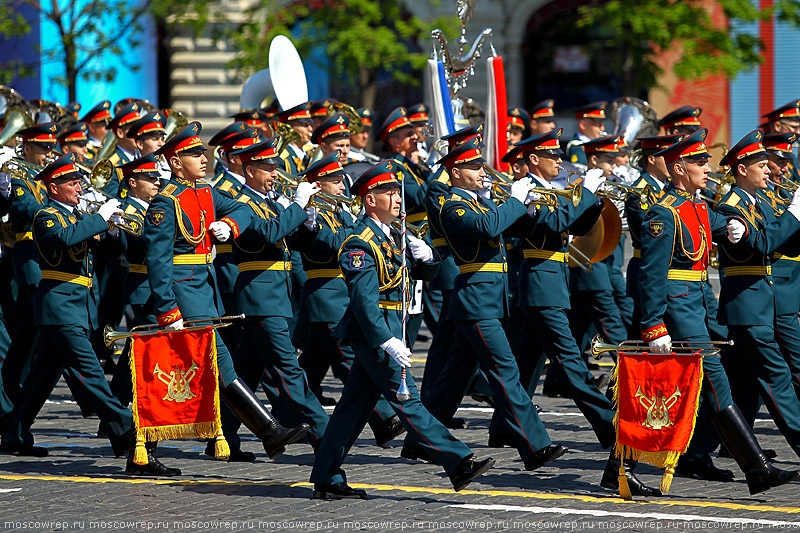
667, 459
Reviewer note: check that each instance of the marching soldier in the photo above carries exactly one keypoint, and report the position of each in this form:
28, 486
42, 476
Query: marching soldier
74, 139
65, 311
255, 119
682, 121
220, 158
544, 294
370, 260
125, 151
295, 155
358, 142
333, 135
419, 117
473, 228
748, 297
786, 119
96, 120
262, 289
542, 118
319, 112
590, 126
178, 231
518, 120
324, 296
676, 236
28, 197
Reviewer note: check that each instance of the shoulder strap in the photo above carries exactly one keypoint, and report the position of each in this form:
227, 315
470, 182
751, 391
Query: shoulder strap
733, 199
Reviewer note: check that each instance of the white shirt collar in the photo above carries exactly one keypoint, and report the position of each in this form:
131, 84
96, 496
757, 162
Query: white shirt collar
583, 138
471, 194
661, 184
259, 194
299, 152
142, 203
238, 177
387, 230
65, 206
750, 197
541, 181
129, 155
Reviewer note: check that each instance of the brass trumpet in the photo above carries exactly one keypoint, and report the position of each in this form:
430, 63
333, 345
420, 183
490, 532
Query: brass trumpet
573, 193
100, 174
110, 336
600, 348
620, 191
130, 223
420, 232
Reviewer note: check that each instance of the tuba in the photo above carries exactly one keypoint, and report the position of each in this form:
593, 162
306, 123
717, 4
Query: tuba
632, 118
16, 114
176, 121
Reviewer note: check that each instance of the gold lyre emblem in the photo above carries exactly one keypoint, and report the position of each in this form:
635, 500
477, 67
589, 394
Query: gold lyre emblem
177, 382
658, 407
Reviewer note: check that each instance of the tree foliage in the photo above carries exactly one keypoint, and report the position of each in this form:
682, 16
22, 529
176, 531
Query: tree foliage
360, 38
714, 36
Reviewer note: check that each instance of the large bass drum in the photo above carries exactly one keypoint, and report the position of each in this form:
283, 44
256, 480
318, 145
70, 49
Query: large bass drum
602, 239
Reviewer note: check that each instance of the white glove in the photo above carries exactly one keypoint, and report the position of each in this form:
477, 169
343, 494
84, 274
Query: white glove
532, 197
5, 184
117, 219
794, 206
735, 230
311, 221
109, 208
6, 154
222, 231
532, 210
593, 179
283, 201
520, 188
621, 171
486, 192
304, 192
174, 326
419, 249
661, 344
398, 351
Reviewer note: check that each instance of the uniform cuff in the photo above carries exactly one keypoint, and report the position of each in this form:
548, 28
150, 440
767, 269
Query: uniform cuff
744, 223
655, 332
169, 317
234, 226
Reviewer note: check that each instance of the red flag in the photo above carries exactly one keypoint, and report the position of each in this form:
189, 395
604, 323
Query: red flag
175, 388
657, 398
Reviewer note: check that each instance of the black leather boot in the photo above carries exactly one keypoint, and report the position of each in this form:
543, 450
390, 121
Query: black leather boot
469, 469
154, 467
611, 477
701, 467
390, 429
257, 419
761, 475
236, 456
122, 444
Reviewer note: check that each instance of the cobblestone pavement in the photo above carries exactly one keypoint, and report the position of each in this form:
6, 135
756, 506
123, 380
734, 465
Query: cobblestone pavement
81, 485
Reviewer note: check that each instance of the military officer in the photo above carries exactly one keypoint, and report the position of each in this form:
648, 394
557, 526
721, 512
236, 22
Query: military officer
324, 297
748, 296
682, 121
786, 119
371, 261
295, 155
64, 306
75, 139
544, 295
96, 120
473, 228
518, 120
333, 135
590, 126
125, 151
592, 292
27, 198
542, 117
358, 142
676, 236
178, 231
149, 135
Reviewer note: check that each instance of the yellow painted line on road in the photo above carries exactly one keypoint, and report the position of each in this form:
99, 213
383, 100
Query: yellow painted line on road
427, 490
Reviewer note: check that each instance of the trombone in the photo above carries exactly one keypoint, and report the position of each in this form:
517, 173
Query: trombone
110, 336
130, 223
600, 348
420, 232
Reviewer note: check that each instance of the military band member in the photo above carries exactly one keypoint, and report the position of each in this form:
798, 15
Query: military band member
359, 141
28, 197
96, 120
755, 364
518, 120
149, 135
542, 118
419, 116
333, 135
65, 311
295, 155
220, 159
544, 294
786, 119
400, 139
324, 296
370, 260
473, 228
257, 119
181, 224
74, 139
125, 151
591, 126
518, 166
676, 236
262, 288
682, 121
319, 112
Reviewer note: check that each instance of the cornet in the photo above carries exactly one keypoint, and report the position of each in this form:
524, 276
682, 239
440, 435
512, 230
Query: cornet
130, 223
420, 232
620, 191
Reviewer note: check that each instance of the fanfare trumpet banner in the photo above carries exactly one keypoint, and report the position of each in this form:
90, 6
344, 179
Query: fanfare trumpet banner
176, 388
657, 399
